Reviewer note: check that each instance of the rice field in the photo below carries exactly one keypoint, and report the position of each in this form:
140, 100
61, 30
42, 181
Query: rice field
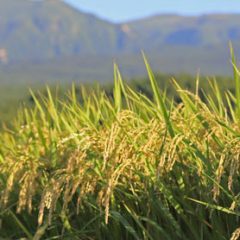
127, 167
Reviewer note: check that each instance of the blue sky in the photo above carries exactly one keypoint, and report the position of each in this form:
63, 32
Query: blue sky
122, 10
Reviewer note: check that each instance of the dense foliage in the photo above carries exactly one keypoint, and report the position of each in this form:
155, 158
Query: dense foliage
123, 167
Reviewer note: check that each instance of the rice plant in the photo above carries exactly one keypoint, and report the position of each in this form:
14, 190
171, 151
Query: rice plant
126, 167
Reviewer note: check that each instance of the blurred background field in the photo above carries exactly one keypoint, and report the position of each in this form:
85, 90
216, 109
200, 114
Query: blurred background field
17, 95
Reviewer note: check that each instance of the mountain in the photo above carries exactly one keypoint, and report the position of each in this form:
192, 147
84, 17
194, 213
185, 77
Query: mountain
38, 30
55, 41
172, 30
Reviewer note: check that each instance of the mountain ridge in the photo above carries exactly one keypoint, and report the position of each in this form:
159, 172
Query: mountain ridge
52, 30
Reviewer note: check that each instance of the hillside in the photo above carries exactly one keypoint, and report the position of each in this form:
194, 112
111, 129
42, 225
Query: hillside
37, 30
172, 30
57, 42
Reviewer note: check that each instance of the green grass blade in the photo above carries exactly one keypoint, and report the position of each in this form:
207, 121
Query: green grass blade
158, 98
237, 80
